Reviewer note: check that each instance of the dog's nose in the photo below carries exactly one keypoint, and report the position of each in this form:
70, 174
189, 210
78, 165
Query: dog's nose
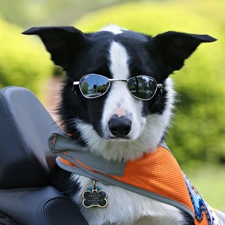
119, 126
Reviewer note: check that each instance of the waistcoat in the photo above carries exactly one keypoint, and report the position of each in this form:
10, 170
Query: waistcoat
156, 175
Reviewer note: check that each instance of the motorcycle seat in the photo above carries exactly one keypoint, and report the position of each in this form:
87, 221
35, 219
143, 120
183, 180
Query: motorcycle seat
26, 196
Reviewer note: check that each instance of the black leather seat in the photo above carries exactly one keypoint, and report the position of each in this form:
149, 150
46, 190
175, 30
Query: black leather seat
25, 163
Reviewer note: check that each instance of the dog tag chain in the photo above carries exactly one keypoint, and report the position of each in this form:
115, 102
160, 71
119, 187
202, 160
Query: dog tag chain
94, 197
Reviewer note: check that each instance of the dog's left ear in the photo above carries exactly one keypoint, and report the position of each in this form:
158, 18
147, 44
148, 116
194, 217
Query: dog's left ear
175, 47
63, 43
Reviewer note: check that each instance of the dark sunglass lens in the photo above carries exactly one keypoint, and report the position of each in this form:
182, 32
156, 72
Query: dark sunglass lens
93, 86
142, 87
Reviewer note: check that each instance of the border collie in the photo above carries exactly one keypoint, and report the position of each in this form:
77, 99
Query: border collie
118, 102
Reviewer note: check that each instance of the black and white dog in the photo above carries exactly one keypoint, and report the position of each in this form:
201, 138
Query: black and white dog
120, 106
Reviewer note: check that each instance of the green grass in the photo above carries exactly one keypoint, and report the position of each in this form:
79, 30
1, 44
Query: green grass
210, 183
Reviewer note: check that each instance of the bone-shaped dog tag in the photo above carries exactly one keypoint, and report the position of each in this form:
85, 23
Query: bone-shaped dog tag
94, 197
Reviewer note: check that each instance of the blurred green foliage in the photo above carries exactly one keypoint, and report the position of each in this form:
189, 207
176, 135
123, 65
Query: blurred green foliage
213, 10
23, 62
28, 13
198, 129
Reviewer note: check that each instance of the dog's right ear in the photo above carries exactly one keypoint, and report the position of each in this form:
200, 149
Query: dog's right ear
63, 43
175, 47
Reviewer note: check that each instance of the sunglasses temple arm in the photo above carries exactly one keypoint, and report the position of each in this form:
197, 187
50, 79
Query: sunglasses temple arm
75, 83
160, 88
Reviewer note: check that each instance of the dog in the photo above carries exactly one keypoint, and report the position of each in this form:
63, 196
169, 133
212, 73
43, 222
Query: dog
118, 101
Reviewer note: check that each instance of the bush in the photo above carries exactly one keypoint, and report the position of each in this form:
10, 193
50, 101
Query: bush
209, 8
198, 130
23, 62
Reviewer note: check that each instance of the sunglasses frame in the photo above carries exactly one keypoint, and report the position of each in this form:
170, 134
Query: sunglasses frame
159, 87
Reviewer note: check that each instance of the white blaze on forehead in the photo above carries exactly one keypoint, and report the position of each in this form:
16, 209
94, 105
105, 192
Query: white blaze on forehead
113, 29
119, 101
118, 61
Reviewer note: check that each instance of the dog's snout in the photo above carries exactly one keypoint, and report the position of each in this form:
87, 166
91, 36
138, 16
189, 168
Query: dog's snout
119, 126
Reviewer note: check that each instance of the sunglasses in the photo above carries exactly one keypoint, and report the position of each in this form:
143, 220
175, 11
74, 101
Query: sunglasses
141, 87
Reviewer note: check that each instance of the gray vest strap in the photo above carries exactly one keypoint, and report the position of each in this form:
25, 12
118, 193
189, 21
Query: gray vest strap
59, 143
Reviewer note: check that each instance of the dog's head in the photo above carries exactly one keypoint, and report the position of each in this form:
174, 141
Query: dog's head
128, 114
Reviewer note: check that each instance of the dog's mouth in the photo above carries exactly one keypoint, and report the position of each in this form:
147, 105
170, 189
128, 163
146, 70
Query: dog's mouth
119, 138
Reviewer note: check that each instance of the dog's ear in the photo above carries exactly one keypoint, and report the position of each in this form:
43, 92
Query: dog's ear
175, 47
63, 43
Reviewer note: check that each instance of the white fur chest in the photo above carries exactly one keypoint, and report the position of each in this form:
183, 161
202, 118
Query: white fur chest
125, 207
